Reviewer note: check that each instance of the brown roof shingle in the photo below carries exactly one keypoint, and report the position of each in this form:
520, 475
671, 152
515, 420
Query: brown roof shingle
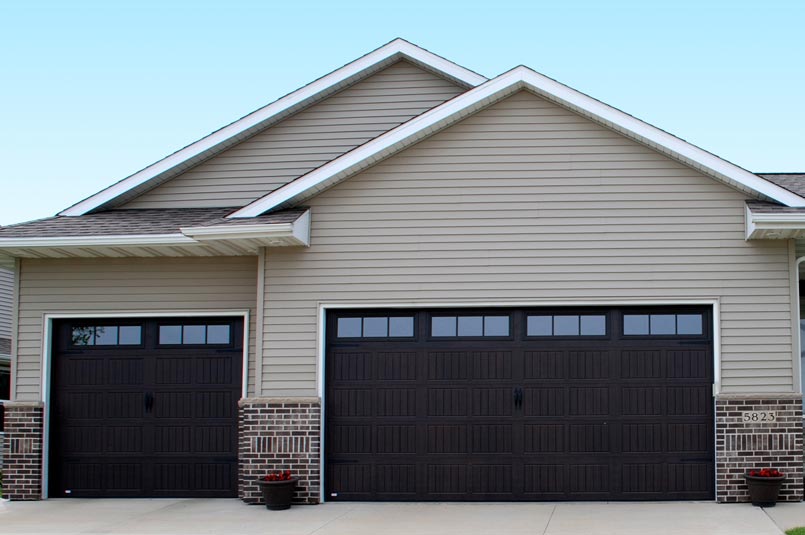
135, 222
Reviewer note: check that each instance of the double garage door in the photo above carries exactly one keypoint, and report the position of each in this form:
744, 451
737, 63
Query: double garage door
531, 404
145, 408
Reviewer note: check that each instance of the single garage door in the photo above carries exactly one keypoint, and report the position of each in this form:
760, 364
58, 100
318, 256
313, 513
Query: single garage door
532, 404
145, 408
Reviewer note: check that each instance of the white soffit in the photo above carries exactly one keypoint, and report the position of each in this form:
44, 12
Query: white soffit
272, 113
492, 91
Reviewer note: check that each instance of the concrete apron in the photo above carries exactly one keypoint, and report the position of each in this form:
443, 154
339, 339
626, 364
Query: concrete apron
198, 516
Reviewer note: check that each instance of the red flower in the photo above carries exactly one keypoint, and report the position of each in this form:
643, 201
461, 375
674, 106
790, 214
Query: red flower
765, 472
278, 476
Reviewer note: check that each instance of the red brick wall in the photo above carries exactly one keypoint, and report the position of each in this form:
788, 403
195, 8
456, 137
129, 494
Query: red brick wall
280, 434
22, 451
742, 446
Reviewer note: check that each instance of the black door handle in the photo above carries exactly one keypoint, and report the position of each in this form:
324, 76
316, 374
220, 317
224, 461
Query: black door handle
518, 397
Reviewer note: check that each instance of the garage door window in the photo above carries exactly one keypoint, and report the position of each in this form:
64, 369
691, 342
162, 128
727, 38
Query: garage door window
375, 327
107, 335
663, 325
469, 326
567, 325
194, 335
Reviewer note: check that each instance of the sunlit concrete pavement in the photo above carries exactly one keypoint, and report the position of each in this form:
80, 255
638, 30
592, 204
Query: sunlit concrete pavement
198, 516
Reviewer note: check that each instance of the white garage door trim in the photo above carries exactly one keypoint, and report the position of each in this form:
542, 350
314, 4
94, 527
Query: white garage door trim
47, 332
324, 307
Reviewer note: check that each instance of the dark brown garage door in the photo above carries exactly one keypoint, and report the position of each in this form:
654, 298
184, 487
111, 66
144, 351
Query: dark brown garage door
593, 404
145, 408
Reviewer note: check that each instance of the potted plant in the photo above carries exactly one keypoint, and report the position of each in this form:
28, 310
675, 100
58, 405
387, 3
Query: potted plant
278, 489
764, 486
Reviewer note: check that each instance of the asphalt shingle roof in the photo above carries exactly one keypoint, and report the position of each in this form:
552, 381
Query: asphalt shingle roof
135, 222
765, 207
793, 182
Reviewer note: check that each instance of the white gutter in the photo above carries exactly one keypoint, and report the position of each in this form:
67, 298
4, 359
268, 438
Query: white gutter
783, 222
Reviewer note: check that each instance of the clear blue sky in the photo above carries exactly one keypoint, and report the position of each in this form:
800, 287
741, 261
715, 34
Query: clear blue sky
93, 91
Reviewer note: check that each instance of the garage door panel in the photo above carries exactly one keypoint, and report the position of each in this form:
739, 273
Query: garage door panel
491, 401
492, 365
545, 365
643, 438
151, 421
589, 438
395, 439
588, 365
125, 372
448, 366
545, 481
643, 401
448, 402
123, 439
689, 400
689, 364
396, 366
643, 364
690, 437
551, 401
173, 439
448, 439
351, 402
586, 479
395, 480
492, 439
352, 366
545, 438
175, 370
496, 481
588, 400
519, 418
390, 402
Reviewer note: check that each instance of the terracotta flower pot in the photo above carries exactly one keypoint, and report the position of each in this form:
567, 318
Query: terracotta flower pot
763, 491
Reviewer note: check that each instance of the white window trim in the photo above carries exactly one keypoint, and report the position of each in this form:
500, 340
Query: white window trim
46, 356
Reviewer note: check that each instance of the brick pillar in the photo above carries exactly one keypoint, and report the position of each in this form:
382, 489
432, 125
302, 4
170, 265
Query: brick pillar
22, 451
279, 434
744, 445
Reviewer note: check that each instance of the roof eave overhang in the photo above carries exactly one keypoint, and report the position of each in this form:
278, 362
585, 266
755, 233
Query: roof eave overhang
760, 226
493, 91
247, 126
212, 240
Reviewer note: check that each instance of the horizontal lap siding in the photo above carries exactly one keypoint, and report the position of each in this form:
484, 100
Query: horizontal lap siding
527, 201
305, 141
6, 291
131, 285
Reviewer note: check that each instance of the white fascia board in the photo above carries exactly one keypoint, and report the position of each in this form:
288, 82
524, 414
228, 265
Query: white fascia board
99, 241
459, 107
399, 48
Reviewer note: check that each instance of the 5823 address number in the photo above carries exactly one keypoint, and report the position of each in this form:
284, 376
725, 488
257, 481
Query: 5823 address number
758, 416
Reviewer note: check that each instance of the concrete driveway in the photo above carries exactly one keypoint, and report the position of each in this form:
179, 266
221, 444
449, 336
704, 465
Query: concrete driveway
175, 516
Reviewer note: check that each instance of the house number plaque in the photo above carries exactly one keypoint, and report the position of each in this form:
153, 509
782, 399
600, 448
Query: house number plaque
758, 416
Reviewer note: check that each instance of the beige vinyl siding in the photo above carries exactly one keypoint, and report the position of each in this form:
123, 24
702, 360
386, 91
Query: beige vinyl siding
125, 285
6, 293
526, 201
305, 141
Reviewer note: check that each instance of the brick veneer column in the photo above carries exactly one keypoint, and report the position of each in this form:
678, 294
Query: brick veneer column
741, 446
22, 451
280, 434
